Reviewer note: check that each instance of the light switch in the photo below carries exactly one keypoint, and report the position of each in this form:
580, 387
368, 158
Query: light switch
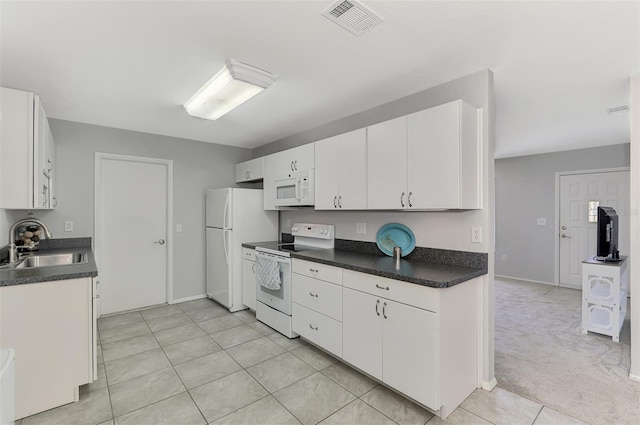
68, 226
361, 228
542, 221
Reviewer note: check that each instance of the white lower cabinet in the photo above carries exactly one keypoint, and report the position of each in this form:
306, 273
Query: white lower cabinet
51, 326
249, 278
392, 342
317, 304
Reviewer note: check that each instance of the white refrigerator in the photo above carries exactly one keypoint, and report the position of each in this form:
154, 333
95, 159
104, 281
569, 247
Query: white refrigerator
233, 216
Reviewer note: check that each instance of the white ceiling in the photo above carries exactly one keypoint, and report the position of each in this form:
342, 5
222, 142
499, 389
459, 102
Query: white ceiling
131, 65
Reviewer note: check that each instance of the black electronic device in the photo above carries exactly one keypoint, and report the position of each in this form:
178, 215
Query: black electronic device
607, 235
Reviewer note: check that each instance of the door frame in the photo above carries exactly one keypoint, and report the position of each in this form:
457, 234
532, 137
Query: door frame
557, 212
97, 232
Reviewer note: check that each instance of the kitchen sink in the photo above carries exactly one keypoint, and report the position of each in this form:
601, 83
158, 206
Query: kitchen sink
52, 260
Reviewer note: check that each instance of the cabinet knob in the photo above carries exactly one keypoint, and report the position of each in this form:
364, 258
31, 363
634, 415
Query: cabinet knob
313, 295
377, 304
340, 201
335, 202
315, 328
313, 270
409, 199
384, 307
295, 164
382, 287
402, 199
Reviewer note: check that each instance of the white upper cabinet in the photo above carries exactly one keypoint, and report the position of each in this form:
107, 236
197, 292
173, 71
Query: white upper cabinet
426, 160
387, 164
250, 171
341, 171
442, 156
282, 163
28, 152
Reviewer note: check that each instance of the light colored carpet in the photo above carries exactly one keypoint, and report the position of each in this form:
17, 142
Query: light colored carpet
541, 354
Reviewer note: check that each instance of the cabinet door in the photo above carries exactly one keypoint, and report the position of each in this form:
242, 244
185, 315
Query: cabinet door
249, 283
327, 160
352, 170
52, 339
51, 167
362, 331
40, 157
303, 157
251, 170
387, 164
409, 352
434, 157
268, 184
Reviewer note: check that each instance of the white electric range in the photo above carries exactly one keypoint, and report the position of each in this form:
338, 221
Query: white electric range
273, 307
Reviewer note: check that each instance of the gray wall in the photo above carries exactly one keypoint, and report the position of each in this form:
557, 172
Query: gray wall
525, 191
5, 222
196, 167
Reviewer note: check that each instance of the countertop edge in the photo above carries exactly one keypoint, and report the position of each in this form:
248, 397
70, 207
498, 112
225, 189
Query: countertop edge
14, 277
405, 278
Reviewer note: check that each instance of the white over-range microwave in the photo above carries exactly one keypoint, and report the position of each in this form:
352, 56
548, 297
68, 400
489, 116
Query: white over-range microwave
295, 189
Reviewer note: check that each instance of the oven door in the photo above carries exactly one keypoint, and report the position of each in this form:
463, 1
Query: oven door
278, 299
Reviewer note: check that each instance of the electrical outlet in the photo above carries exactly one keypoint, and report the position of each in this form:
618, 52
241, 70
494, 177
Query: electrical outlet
361, 228
476, 234
178, 228
68, 226
504, 257
542, 221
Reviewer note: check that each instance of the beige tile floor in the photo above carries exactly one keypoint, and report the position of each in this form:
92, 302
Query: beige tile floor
196, 363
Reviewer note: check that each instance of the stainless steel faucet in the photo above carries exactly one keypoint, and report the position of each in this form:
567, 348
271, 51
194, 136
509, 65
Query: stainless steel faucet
13, 251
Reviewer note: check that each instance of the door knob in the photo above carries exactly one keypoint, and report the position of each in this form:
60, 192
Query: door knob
160, 242
565, 236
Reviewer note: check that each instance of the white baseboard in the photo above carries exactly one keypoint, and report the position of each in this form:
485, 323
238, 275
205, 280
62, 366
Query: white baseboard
182, 300
634, 377
490, 385
523, 280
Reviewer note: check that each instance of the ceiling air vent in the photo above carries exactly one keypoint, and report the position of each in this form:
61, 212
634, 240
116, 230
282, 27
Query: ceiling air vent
352, 15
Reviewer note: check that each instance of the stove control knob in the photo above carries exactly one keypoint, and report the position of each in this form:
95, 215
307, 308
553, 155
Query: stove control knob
294, 229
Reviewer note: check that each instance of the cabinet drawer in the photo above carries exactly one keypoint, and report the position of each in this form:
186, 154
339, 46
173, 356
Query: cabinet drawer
317, 328
408, 293
318, 271
249, 254
320, 296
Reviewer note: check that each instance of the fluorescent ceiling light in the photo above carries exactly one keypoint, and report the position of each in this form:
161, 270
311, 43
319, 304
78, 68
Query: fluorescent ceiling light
234, 84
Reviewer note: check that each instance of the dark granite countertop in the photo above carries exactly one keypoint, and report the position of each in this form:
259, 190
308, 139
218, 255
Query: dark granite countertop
12, 276
437, 268
431, 274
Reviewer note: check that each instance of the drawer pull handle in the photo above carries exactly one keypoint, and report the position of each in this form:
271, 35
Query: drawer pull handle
384, 307
313, 270
377, 304
313, 295
382, 287
312, 327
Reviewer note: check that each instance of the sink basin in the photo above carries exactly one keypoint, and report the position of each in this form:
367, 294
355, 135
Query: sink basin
52, 260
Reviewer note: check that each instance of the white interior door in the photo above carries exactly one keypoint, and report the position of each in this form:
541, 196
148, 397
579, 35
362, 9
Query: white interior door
132, 211
578, 235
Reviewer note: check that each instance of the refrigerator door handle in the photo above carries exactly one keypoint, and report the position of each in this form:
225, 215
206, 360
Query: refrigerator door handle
224, 243
224, 217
